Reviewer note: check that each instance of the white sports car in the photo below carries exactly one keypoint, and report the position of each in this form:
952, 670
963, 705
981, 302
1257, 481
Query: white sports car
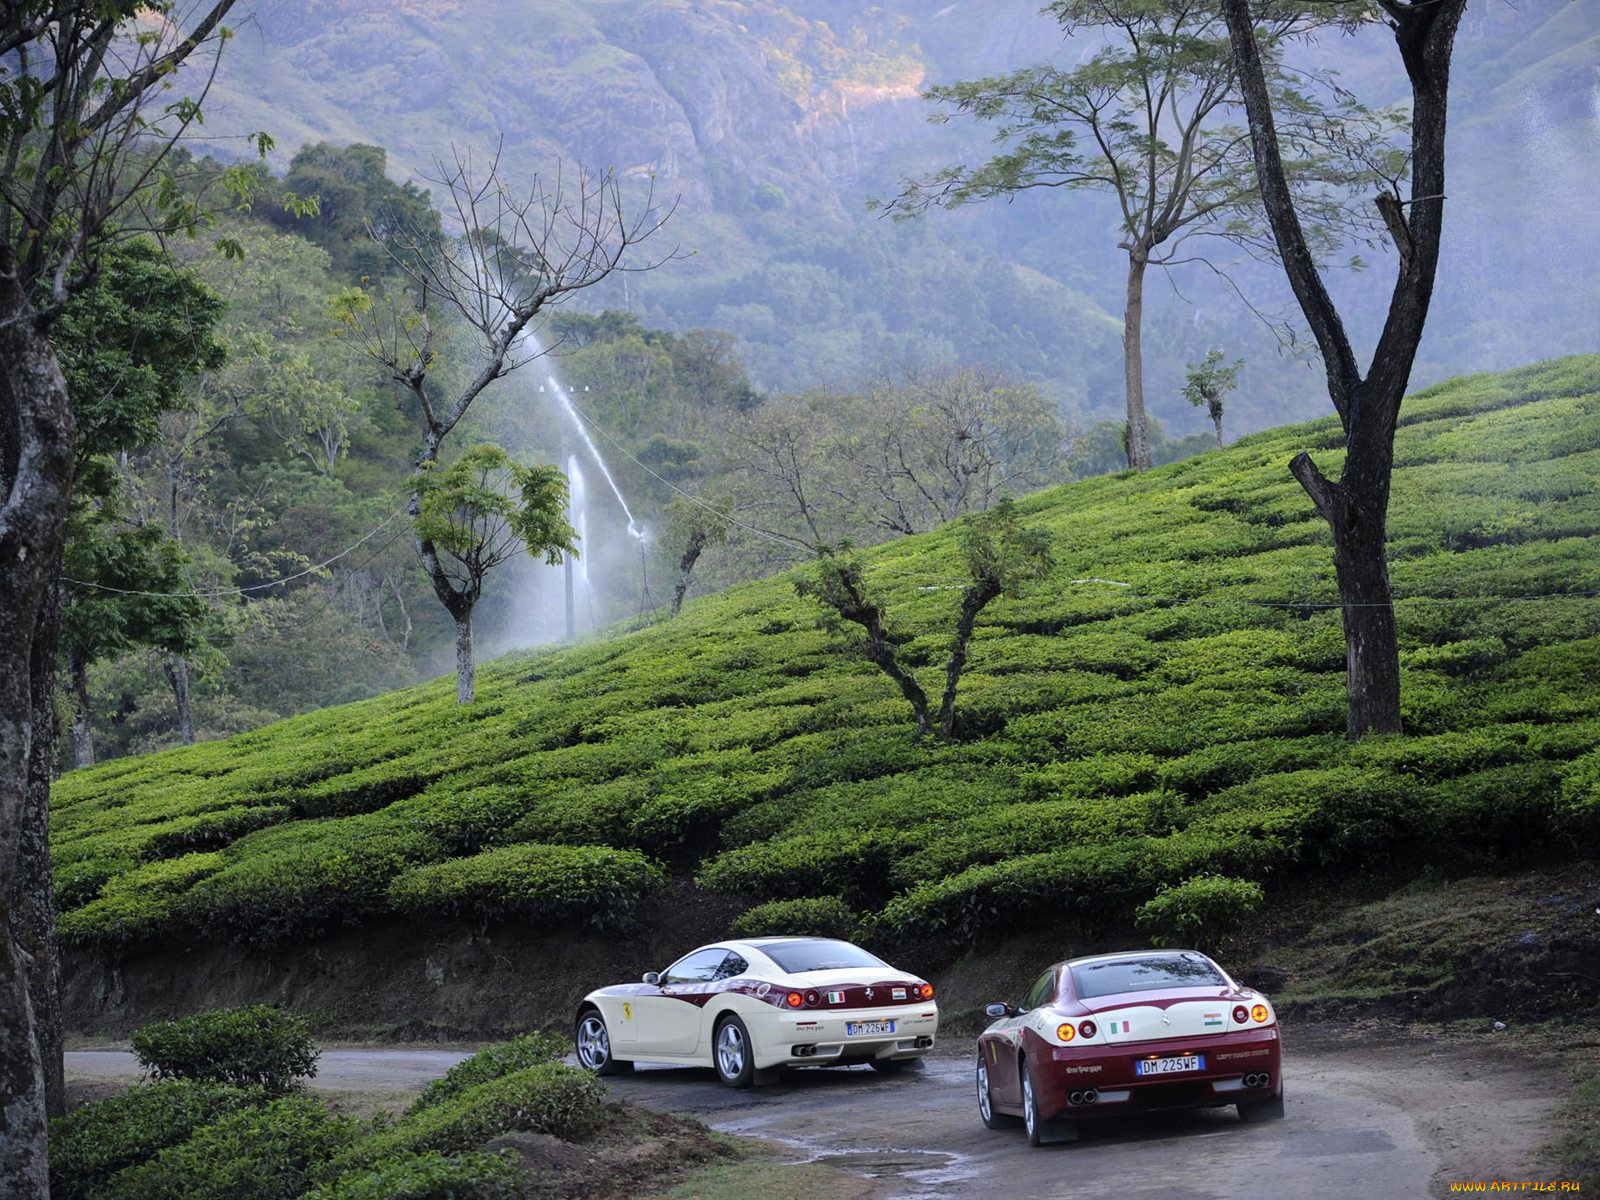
750, 1006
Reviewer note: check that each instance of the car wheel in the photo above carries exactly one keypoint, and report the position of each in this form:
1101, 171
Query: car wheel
991, 1119
1262, 1110
1030, 1107
732, 1054
594, 1046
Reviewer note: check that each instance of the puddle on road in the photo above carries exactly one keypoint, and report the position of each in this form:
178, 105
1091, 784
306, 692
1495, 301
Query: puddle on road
877, 1164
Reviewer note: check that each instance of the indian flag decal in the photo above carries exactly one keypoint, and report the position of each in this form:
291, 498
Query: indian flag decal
1213, 1018
835, 997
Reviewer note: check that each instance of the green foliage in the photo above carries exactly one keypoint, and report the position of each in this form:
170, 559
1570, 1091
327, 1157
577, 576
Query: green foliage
819, 916
268, 1153
93, 1142
1120, 738
1198, 912
494, 1062
432, 1176
481, 506
548, 1097
589, 885
257, 1045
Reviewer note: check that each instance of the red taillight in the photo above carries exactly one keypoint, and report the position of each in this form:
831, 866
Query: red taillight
1241, 1014
926, 991
1259, 1013
1065, 1033
1088, 1028
795, 1000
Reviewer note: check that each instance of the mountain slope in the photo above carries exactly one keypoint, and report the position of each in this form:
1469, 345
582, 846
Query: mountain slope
1169, 704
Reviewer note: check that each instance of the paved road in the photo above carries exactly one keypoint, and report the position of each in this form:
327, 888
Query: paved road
920, 1134
1363, 1120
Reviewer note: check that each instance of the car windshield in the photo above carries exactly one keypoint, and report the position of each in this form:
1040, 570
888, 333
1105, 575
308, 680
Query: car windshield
1142, 974
819, 955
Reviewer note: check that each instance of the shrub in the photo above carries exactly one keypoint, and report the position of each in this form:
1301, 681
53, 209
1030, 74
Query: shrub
432, 1176
596, 885
821, 916
138, 904
1200, 911
266, 1153
494, 1062
94, 1142
548, 1097
254, 1045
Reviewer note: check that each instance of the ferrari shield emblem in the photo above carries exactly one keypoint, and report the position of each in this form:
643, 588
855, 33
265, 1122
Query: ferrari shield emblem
627, 1012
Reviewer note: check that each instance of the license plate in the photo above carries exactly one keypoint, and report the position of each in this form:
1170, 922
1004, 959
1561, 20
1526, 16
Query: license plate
1164, 1066
854, 1028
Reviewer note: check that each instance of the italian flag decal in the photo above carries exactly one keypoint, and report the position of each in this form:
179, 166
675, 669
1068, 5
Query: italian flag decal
1119, 1027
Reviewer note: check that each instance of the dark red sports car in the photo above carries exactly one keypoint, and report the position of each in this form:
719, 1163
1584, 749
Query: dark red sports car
1133, 1032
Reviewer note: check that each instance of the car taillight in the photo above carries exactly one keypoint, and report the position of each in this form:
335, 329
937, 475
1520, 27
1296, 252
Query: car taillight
926, 991
1241, 1014
1065, 1033
1259, 1013
795, 999
812, 998
1088, 1028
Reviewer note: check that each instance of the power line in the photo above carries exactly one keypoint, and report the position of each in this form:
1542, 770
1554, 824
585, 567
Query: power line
244, 591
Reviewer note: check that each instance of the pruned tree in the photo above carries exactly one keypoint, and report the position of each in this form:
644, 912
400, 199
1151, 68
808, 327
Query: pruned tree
1151, 118
81, 143
1356, 505
518, 253
693, 528
1002, 556
1207, 384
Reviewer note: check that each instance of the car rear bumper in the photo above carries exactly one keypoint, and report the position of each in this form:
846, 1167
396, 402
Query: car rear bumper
809, 1038
1091, 1081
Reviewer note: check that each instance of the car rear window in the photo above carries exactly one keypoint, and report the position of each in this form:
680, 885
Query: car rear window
1141, 974
819, 955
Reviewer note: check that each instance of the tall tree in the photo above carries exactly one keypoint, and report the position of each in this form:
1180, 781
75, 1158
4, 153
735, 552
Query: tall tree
1356, 506
79, 145
1151, 119
519, 253
1207, 384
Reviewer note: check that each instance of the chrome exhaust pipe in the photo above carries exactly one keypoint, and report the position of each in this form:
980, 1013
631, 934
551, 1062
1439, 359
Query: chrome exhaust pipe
1075, 1098
805, 1051
922, 1043
1091, 1096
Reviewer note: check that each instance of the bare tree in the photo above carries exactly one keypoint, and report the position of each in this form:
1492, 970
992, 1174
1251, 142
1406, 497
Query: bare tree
79, 145
930, 445
517, 253
1356, 506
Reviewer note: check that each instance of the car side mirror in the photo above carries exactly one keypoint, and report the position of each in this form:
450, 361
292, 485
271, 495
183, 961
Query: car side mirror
1001, 1010
652, 978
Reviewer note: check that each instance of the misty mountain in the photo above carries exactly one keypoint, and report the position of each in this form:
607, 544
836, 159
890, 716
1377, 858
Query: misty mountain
771, 124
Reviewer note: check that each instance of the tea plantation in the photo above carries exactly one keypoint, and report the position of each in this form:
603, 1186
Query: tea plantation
1168, 704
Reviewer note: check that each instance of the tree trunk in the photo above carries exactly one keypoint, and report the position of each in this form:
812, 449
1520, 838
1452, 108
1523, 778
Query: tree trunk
691, 555
37, 438
1216, 419
973, 601
82, 728
466, 668
1133, 364
33, 893
177, 671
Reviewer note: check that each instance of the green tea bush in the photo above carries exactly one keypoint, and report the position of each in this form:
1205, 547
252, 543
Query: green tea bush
549, 1097
593, 885
92, 1143
848, 863
433, 1176
267, 1153
1200, 912
816, 916
138, 904
296, 881
493, 1062
255, 1046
